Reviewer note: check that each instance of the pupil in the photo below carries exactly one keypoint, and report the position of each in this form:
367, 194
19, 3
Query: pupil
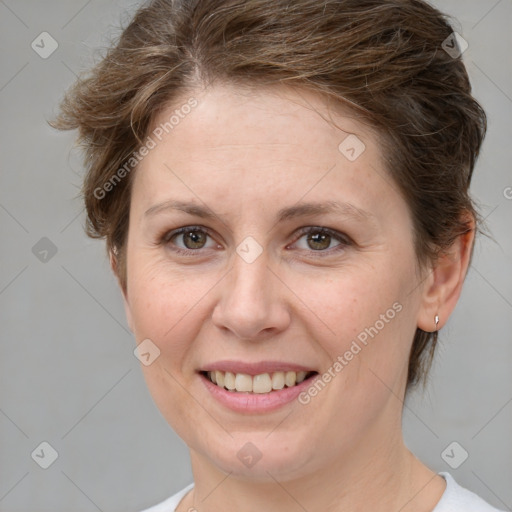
317, 241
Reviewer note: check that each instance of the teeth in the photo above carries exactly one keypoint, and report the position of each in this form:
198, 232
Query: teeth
229, 381
219, 378
278, 380
243, 382
290, 378
262, 383
301, 376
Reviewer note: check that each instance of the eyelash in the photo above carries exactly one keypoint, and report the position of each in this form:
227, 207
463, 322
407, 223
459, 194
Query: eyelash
344, 240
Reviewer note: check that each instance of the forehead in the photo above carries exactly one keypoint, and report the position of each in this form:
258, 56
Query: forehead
272, 146
272, 118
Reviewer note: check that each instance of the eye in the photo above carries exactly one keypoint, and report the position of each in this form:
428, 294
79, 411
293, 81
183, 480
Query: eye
189, 239
320, 239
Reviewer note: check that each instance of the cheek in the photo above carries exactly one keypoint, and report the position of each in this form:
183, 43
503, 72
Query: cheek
351, 301
365, 317
162, 305
157, 296
170, 306
369, 349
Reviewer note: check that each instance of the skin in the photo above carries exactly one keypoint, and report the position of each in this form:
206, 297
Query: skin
246, 154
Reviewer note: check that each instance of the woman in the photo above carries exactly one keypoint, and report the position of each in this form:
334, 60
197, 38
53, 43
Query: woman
283, 187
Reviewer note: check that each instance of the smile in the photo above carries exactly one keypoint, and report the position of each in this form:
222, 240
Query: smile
261, 383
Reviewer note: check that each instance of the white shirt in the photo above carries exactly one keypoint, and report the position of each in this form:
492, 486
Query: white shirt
454, 499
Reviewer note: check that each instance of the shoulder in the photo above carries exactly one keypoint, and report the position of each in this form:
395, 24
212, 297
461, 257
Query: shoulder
459, 499
170, 504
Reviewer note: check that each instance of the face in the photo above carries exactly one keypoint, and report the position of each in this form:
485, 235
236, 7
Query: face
258, 247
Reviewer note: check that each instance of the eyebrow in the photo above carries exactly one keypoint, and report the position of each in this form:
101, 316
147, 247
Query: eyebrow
308, 209
285, 214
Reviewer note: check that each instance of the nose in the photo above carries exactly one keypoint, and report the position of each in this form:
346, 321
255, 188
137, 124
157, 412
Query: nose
252, 304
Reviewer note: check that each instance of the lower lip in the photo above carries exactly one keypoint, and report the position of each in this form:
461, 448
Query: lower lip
256, 402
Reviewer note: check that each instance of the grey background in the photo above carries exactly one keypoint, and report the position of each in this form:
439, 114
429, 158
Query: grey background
68, 375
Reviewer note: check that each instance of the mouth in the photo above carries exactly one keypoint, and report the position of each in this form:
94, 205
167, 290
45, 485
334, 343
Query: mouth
263, 383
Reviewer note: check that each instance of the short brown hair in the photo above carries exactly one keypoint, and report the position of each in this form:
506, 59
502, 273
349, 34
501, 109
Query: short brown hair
382, 58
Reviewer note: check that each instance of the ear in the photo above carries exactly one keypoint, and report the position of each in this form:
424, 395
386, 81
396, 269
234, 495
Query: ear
444, 284
115, 269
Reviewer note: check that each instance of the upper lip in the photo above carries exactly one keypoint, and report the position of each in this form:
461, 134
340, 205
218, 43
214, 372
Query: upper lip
255, 368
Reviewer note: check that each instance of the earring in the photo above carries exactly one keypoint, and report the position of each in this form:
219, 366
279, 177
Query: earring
436, 320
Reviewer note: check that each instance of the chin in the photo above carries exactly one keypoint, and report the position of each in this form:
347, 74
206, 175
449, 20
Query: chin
260, 457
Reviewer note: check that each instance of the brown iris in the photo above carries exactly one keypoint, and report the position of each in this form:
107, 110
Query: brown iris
194, 239
319, 241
